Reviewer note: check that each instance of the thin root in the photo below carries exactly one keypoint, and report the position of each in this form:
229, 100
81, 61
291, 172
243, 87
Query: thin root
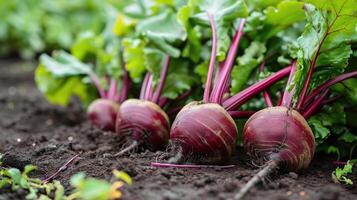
262, 174
155, 164
61, 169
127, 149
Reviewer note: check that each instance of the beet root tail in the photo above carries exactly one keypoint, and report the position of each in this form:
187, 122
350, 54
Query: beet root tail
127, 149
269, 168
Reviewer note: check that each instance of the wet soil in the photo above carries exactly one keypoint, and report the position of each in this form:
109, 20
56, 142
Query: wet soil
34, 132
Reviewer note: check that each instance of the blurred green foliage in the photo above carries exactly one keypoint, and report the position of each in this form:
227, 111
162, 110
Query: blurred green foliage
29, 27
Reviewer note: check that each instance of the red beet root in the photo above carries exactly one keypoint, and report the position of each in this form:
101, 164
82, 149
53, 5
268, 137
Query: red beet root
145, 122
204, 131
280, 134
102, 113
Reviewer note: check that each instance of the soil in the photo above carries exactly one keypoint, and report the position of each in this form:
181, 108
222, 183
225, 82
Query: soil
34, 132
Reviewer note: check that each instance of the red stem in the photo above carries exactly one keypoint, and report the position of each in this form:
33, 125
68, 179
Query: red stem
148, 91
267, 99
174, 110
126, 84
206, 94
112, 91
239, 99
309, 74
280, 100
228, 65
144, 86
329, 83
163, 101
96, 82
162, 80
154, 164
241, 114
288, 95
315, 105
266, 95
217, 78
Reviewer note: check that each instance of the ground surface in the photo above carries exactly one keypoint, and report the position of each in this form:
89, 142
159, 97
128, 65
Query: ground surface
33, 131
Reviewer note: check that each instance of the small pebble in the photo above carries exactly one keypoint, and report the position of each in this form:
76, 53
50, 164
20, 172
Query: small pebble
49, 122
293, 175
302, 193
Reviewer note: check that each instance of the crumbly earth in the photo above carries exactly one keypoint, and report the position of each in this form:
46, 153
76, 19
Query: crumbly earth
34, 132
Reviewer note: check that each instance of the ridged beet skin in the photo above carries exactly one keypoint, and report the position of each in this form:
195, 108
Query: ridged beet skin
206, 131
145, 121
282, 134
102, 113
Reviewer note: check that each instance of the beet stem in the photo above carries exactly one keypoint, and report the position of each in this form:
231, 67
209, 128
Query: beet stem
266, 95
126, 84
163, 101
241, 114
288, 95
305, 88
155, 164
228, 65
261, 175
148, 91
144, 86
206, 95
61, 169
315, 105
174, 111
239, 99
127, 149
96, 82
280, 100
162, 80
112, 89
329, 83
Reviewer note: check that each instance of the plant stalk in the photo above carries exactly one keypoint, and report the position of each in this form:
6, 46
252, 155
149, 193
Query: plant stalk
239, 99
228, 65
206, 94
163, 76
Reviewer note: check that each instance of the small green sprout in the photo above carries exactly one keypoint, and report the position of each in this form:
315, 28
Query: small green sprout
340, 174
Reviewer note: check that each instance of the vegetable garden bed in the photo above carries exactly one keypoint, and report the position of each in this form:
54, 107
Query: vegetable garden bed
35, 132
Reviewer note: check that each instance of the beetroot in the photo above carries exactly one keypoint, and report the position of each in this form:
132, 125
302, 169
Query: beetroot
142, 121
102, 113
280, 136
288, 140
145, 121
205, 132
215, 126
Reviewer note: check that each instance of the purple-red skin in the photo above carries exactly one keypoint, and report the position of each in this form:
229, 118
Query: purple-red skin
204, 129
144, 121
277, 133
102, 113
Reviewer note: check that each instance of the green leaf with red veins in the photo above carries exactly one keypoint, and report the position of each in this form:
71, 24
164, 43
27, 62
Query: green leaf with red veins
327, 36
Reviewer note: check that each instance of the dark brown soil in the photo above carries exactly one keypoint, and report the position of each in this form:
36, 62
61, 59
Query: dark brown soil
33, 131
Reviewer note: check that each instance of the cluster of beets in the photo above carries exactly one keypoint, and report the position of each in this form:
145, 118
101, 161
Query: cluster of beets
205, 131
